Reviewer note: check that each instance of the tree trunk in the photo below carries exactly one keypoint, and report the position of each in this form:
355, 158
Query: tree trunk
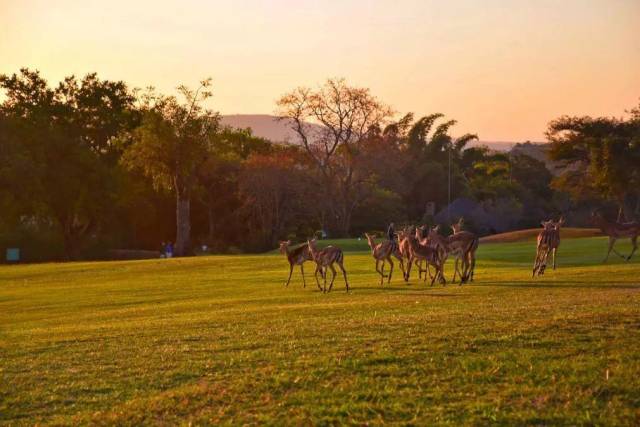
183, 224
212, 225
70, 246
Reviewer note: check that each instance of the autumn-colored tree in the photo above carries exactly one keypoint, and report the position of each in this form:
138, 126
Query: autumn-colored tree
275, 189
332, 123
218, 179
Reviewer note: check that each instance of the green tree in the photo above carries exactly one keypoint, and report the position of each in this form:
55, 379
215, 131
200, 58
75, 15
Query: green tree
218, 183
601, 157
68, 134
432, 156
170, 146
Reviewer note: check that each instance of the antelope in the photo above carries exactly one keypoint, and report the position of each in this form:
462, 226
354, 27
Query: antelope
383, 252
468, 243
405, 251
404, 238
462, 245
547, 239
297, 256
325, 258
429, 255
617, 230
555, 241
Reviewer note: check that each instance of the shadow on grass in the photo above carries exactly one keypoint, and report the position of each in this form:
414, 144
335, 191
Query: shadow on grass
409, 290
566, 284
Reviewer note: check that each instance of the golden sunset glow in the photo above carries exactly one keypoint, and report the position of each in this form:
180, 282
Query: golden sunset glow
503, 69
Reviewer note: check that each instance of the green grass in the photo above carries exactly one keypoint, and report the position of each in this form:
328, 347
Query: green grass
213, 340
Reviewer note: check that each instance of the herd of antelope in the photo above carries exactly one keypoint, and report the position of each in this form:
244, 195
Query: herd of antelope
428, 249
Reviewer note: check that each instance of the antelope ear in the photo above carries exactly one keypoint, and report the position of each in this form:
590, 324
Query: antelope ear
436, 228
461, 221
543, 223
561, 220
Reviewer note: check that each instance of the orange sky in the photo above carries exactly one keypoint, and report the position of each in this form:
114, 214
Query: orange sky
502, 68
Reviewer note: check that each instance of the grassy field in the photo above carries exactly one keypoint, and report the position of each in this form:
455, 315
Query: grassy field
218, 339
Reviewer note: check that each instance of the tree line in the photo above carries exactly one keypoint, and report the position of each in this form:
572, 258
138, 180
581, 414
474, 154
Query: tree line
91, 165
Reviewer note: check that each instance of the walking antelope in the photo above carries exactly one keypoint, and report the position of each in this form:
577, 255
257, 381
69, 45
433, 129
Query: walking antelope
405, 251
325, 258
383, 252
297, 256
548, 238
429, 255
617, 230
468, 242
462, 245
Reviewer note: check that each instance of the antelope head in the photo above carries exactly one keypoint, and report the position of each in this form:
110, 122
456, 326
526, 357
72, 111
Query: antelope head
457, 227
284, 246
369, 240
434, 232
548, 225
312, 245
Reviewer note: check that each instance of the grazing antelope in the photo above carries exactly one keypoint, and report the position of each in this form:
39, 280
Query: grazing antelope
468, 243
617, 230
547, 239
429, 255
325, 258
383, 252
297, 256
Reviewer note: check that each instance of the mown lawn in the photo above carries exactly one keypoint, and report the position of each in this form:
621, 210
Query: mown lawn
213, 340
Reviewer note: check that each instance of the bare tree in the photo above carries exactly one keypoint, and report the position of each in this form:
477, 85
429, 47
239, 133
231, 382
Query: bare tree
331, 123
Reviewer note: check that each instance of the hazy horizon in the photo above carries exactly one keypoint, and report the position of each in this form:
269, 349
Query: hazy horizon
502, 69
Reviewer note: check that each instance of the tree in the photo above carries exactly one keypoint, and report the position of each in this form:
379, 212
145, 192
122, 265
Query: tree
601, 157
218, 185
169, 147
274, 189
68, 134
432, 157
331, 123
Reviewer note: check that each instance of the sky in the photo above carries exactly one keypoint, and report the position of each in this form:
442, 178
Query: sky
502, 68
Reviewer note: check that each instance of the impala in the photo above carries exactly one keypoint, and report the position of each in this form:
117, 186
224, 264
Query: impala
547, 239
468, 242
461, 244
428, 254
383, 252
617, 230
297, 256
325, 258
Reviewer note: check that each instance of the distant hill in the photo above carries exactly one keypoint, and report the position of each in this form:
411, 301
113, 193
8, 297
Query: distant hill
262, 125
539, 152
269, 127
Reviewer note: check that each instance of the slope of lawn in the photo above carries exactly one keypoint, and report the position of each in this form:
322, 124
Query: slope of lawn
219, 339
532, 234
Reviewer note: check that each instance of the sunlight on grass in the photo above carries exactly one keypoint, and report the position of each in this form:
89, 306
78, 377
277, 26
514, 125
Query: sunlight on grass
220, 339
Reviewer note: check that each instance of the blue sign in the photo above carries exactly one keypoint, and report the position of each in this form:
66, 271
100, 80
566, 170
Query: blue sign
13, 255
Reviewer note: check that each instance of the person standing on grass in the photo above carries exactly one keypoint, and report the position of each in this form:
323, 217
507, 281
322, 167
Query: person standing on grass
169, 250
391, 234
163, 248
